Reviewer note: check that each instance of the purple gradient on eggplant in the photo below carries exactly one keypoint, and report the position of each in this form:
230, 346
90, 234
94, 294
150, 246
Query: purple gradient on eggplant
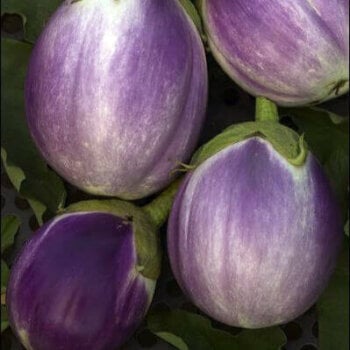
293, 52
253, 239
116, 93
75, 285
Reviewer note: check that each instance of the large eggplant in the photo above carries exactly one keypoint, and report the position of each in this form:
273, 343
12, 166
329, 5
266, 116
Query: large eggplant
116, 93
85, 279
293, 52
253, 238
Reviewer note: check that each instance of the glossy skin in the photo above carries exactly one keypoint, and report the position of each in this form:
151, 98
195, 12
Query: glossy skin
253, 239
116, 93
75, 285
293, 52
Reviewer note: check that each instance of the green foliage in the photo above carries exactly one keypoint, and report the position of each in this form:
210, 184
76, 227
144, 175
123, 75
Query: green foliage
4, 318
34, 14
187, 331
327, 136
193, 13
4, 276
5, 272
22, 162
333, 307
9, 228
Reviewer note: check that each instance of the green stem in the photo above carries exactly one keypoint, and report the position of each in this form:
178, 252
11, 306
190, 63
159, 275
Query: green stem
265, 110
160, 207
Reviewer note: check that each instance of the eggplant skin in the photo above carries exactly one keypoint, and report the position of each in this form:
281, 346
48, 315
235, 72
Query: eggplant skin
75, 285
252, 239
294, 52
116, 93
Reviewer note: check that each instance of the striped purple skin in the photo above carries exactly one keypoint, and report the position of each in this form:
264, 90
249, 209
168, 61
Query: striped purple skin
293, 52
75, 285
116, 93
253, 239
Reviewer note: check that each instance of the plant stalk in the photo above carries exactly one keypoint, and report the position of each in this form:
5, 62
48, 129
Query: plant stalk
160, 207
265, 110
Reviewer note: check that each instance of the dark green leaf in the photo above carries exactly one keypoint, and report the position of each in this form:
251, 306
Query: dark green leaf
4, 318
7, 338
194, 15
4, 276
34, 14
22, 162
333, 307
187, 331
9, 228
328, 138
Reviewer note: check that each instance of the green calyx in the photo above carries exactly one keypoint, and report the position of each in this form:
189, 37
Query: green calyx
285, 141
145, 222
145, 231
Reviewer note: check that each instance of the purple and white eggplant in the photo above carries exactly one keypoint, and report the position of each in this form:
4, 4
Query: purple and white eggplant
293, 52
253, 235
116, 93
85, 279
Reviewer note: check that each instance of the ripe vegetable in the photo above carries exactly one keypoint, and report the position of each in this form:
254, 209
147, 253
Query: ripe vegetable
252, 238
116, 94
294, 52
85, 279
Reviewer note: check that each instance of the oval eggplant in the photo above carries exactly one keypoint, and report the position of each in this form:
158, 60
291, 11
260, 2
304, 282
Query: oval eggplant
76, 285
293, 52
253, 239
116, 93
